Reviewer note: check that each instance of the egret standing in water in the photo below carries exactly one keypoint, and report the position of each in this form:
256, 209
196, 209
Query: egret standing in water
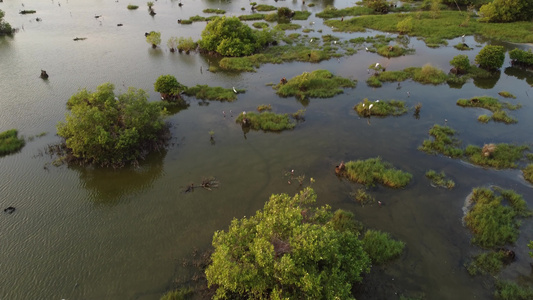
234, 90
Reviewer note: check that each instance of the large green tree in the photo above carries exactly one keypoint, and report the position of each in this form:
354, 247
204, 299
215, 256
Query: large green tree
288, 250
507, 11
229, 37
5, 28
108, 129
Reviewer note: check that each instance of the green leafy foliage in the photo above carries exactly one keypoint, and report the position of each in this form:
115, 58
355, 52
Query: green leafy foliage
229, 37
374, 170
154, 38
168, 86
461, 63
492, 223
288, 250
108, 129
487, 263
381, 247
267, 121
186, 44
491, 57
443, 142
317, 84
508, 290
492, 104
506, 11
132, 7
265, 7
5, 27
179, 294
9, 142
521, 56
380, 108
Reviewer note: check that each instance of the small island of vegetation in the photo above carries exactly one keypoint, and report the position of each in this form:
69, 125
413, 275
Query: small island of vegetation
382, 108
317, 84
10, 142
492, 104
374, 170
5, 27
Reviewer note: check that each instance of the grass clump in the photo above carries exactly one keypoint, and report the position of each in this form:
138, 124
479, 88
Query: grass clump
367, 108
332, 12
186, 44
528, 173
206, 92
179, 294
462, 47
287, 26
266, 121
260, 25
381, 247
9, 142
392, 51
492, 223
374, 81
484, 118
508, 290
439, 179
428, 74
252, 17
492, 104
214, 11
317, 84
374, 170
521, 57
487, 263
264, 107
443, 142
362, 197
301, 15
265, 7
499, 156
506, 94
132, 7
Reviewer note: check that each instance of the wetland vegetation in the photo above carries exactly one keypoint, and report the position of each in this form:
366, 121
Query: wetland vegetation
10, 142
375, 170
316, 84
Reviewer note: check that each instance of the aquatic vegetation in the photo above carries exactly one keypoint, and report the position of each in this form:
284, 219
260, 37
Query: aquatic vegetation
266, 121
487, 263
214, 11
362, 197
186, 44
380, 108
287, 26
439, 179
444, 142
317, 84
381, 247
528, 173
491, 57
131, 6
154, 38
332, 12
374, 170
506, 94
257, 255
169, 87
260, 25
492, 104
519, 56
27, 11
428, 74
492, 223
499, 156
462, 47
252, 17
449, 25
264, 107
178, 294
301, 15
265, 7
484, 118
508, 290
212, 93
393, 51
9, 142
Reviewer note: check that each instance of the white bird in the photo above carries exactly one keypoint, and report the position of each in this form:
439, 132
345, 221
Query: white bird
408, 94
243, 112
370, 106
234, 90
363, 105
311, 41
377, 65
335, 42
377, 101
463, 35
366, 48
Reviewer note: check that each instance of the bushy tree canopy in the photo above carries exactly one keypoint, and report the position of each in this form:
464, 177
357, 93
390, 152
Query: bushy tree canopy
168, 86
461, 63
288, 250
491, 57
507, 11
5, 28
229, 37
107, 129
154, 38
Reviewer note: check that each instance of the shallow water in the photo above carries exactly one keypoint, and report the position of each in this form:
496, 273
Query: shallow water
90, 233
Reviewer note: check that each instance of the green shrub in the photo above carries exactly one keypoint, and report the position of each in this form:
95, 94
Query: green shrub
368, 108
179, 294
521, 56
168, 86
461, 63
266, 121
506, 94
130, 6
374, 81
439, 179
506, 11
229, 37
443, 142
501, 156
265, 7
491, 57
5, 27
428, 74
9, 142
289, 249
317, 84
374, 170
154, 38
483, 118
186, 44
381, 247
492, 223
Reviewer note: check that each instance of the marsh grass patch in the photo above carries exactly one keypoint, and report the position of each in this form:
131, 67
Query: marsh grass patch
217, 93
317, 84
444, 142
439, 179
381, 247
266, 121
10, 142
381, 108
374, 170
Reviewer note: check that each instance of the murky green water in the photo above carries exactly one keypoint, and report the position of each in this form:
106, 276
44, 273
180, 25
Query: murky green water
84, 233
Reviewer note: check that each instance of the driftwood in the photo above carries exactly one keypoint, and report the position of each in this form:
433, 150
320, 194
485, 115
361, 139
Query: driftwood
207, 183
340, 168
44, 75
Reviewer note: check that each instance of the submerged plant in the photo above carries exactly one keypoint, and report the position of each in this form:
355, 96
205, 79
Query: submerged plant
439, 179
374, 170
264, 107
444, 142
381, 247
508, 290
487, 263
528, 173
